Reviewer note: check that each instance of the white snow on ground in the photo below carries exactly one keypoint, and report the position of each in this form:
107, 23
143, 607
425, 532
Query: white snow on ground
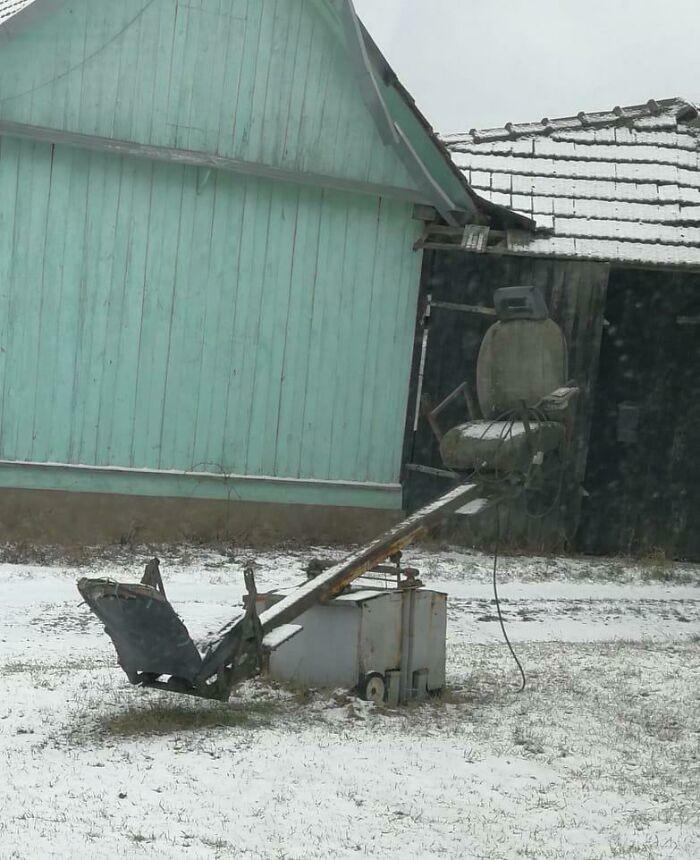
598, 758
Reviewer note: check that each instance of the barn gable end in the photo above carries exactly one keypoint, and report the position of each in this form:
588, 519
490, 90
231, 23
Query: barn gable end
257, 81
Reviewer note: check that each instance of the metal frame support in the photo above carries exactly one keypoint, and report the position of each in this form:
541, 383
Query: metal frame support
473, 413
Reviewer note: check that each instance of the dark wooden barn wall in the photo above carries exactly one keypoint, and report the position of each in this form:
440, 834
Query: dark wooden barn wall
575, 293
645, 487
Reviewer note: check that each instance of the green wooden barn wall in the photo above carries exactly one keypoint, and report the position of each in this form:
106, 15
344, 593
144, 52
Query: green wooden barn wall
166, 330
265, 81
160, 318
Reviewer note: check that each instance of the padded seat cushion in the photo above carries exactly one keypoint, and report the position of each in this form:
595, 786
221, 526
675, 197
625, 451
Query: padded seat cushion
498, 446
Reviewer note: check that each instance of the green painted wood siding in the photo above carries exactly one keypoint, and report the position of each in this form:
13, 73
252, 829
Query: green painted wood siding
265, 81
157, 316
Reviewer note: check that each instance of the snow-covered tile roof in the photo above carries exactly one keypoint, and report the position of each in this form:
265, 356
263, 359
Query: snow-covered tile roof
620, 185
8, 8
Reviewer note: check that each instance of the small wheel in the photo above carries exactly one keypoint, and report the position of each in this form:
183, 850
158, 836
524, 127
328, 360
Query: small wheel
373, 688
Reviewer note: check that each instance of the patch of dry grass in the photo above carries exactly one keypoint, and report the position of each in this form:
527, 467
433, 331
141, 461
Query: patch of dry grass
37, 667
142, 720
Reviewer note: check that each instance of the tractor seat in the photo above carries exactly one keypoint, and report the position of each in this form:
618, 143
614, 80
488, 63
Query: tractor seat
499, 446
521, 375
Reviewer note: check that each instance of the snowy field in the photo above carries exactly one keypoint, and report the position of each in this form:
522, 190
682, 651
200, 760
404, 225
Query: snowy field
598, 758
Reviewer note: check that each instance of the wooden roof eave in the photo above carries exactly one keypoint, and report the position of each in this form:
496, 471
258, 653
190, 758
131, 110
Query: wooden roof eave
458, 202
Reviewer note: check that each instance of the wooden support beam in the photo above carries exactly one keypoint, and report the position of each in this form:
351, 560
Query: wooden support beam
196, 158
365, 73
465, 309
438, 197
421, 212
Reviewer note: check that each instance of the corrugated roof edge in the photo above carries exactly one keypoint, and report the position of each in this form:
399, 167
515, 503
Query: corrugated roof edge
500, 216
678, 108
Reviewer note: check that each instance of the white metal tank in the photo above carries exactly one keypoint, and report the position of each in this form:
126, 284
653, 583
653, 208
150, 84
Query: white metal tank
389, 644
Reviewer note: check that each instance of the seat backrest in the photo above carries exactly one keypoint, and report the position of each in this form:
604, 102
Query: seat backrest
520, 360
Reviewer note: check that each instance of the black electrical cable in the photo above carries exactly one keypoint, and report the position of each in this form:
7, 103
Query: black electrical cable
498, 603
508, 419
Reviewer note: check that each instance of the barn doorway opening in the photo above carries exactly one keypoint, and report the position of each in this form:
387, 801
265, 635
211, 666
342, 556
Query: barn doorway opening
643, 470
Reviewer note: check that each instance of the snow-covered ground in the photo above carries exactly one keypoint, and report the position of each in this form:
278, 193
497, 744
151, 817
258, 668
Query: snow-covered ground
598, 758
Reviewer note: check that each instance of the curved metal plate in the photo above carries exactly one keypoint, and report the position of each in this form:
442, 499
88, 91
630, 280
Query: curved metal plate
145, 629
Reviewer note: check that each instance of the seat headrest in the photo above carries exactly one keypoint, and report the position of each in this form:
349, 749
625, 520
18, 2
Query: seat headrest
520, 303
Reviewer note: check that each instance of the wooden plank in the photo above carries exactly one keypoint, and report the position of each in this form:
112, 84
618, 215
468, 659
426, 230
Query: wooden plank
348, 332
130, 337
332, 581
143, 75
98, 203
372, 371
25, 310
245, 99
175, 155
68, 222
297, 334
103, 212
300, 75
10, 155
270, 371
197, 485
251, 262
466, 309
226, 248
231, 70
191, 329
398, 275
316, 370
177, 394
115, 313
268, 72
400, 367
327, 356
359, 279
287, 26
165, 228
49, 288
191, 130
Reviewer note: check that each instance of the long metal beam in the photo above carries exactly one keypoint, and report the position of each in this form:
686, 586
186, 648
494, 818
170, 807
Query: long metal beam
197, 158
330, 583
